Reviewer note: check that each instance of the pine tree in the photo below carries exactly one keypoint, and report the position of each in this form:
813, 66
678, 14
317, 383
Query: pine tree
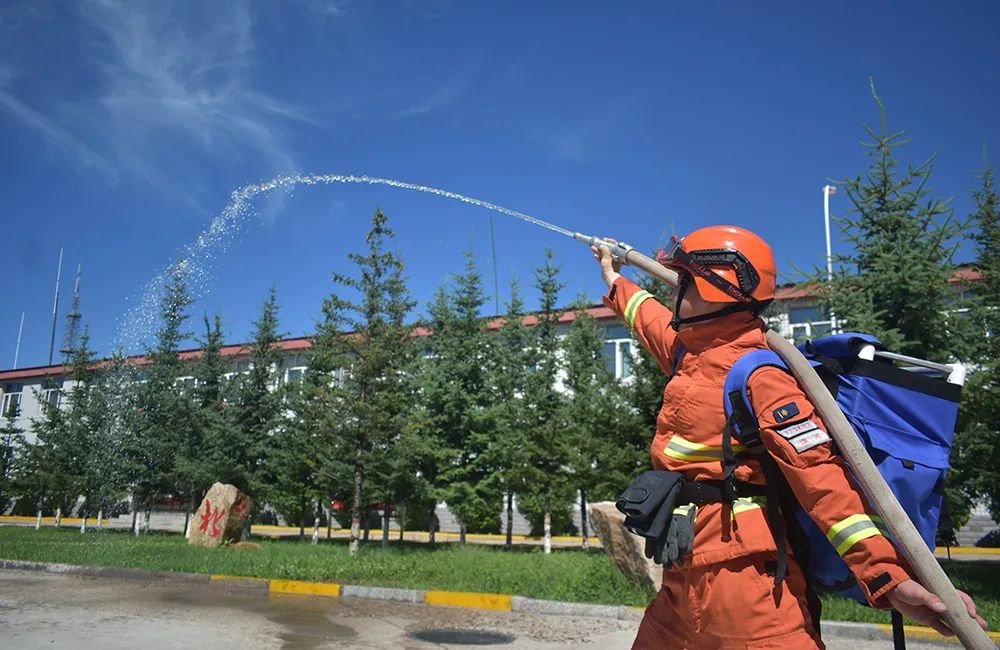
71, 455
12, 450
373, 334
164, 406
507, 377
457, 399
976, 453
89, 420
600, 458
546, 479
257, 409
202, 458
894, 282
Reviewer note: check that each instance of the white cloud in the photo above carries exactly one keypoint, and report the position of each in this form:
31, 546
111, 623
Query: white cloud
170, 88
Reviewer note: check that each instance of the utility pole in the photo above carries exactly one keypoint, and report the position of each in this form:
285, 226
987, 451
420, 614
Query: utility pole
17, 350
71, 331
55, 309
827, 191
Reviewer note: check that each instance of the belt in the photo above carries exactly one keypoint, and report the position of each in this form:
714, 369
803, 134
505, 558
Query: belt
701, 492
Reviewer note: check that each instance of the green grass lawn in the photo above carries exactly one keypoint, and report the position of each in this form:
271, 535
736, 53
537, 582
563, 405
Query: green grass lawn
570, 575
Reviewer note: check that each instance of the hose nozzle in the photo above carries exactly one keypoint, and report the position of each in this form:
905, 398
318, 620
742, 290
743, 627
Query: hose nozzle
619, 251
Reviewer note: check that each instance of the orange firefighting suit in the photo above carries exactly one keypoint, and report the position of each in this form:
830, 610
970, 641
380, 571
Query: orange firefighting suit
722, 596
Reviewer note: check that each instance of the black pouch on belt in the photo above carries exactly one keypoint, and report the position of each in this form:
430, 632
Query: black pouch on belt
649, 500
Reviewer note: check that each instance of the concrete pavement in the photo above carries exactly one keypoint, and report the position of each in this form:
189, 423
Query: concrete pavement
44, 610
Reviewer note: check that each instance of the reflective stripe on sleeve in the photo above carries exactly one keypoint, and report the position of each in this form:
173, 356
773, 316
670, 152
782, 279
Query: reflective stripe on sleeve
632, 307
682, 449
846, 533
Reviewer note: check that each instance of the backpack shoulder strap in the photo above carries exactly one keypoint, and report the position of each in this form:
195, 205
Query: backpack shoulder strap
742, 423
739, 410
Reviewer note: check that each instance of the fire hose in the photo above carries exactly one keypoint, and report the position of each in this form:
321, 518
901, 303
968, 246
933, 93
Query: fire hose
904, 534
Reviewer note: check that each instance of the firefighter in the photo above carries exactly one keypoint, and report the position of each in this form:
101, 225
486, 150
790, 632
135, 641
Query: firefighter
727, 591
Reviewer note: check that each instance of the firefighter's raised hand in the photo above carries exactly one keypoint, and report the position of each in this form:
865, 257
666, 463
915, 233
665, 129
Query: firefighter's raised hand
910, 599
610, 267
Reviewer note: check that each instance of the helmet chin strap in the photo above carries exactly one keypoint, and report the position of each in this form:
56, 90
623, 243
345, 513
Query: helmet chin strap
676, 322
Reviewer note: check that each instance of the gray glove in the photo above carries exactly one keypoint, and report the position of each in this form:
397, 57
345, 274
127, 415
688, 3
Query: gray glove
680, 535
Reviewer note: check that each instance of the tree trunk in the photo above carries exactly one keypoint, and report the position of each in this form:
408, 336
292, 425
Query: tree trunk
461, 531
583, 519
401, 518
329, 522
316, 523
368, 525
58, 517
433, 525
147, 515
188, 514
548, 524
38, 519
100, 519
83, 523
135, 515
248, 524
510, 520
386, 513
302, 514
356, 505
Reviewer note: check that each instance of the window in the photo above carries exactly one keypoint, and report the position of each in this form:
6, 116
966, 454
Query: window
186, 384
52, 393
807, 314
11, 405
618, 357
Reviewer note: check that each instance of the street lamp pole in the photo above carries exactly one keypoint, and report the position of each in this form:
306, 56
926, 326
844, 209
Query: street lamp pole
827, 191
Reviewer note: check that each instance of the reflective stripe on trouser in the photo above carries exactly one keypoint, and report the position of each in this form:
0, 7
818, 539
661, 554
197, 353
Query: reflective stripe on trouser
683, 449
849, 531
728, 605
632, 307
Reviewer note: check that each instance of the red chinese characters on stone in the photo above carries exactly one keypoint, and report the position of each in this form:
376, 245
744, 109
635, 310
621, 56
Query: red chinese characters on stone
241, 509
211, 518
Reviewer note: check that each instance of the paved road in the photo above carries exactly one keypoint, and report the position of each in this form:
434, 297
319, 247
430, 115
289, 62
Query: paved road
39, 610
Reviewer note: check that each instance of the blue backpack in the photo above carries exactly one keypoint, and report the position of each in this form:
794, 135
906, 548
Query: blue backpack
905, 418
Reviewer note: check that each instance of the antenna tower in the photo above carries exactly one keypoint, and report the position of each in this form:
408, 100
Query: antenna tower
72, 329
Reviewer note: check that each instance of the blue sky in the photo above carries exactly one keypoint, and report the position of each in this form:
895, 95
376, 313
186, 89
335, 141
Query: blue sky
125, 126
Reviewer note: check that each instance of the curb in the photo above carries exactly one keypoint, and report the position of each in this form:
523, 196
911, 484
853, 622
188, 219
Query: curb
468, 600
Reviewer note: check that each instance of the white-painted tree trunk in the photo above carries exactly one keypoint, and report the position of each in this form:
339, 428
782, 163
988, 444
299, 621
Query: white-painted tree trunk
83, 524
548, 531
315, 539
100, 519
135, 526
38, 520
58, 517
145, 520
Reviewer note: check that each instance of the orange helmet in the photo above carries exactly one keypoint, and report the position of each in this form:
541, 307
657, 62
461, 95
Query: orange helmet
727, 263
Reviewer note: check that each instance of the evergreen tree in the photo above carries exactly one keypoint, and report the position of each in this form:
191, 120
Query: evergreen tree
894, 282
507, 372
545, 475
457, 400
11, 456
374, 335
203, 456
257, 409
89, 421
598, 460
165, 407
976, 453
